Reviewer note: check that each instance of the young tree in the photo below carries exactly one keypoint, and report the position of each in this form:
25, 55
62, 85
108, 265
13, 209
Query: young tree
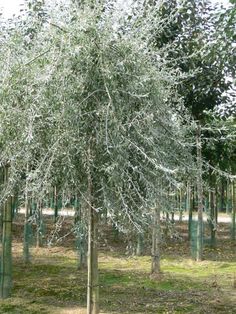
197, 38
92, 103
199, 243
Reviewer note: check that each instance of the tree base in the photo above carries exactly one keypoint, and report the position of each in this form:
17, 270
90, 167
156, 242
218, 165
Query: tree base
156, 276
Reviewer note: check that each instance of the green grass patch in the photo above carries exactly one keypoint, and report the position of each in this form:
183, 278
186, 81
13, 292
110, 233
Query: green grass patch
51, 284
19, 308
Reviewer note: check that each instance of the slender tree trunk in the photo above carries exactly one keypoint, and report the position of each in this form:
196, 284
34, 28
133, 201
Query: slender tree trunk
217, 204
6, 258
200, 197
90, 259
233, 227
212, 202
55, 197
180, 206
222, 195
40, 225
156, 241
14, 204
83, 254
26, 253
228, 197
139, 249
190, 210
80, 235
92, 286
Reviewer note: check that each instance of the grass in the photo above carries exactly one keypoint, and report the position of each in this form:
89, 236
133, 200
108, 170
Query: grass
51, 283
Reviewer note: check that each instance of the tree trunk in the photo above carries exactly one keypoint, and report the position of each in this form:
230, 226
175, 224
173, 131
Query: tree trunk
212, 204
190, 210
139, 249
92, 286
81, 235
40, 225
55, 198
233, 227
228, 197
199, 251
82, 254
156, 241
217, 204
222, 195
180, 206
6, 258
26, 253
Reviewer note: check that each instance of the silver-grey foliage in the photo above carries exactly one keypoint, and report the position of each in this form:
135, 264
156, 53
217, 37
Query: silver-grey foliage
71, 84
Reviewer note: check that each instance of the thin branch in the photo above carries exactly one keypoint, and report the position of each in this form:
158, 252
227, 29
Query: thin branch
57, 26
38, 56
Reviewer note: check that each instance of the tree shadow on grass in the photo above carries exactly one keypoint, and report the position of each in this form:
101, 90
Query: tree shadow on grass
121, 291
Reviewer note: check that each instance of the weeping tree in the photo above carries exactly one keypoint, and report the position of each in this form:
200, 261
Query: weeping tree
92, 102
195, 32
